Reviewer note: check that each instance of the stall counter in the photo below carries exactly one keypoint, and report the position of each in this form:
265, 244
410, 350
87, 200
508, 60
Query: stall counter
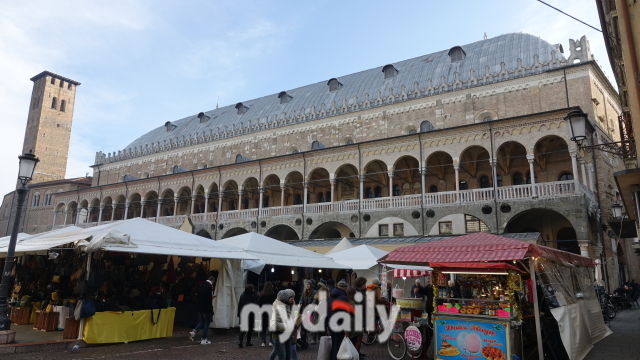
118, 327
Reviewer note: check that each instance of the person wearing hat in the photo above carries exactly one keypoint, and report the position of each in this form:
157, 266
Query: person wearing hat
339, 302
247, 297
278, 324
205, 310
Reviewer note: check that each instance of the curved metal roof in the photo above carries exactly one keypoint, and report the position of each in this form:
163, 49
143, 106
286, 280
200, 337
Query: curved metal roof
417, 77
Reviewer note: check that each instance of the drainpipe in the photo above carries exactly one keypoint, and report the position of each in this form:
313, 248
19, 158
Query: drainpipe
603, 256
422, 190
493, 173
260, 196
360, 183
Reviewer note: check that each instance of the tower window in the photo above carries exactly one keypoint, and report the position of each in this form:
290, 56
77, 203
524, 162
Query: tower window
53, 81
334, 84
241, 158
36, 200
61, 83
426, 126
389, 71
63, 104
317, 145
69, 86
54, 103
457, 54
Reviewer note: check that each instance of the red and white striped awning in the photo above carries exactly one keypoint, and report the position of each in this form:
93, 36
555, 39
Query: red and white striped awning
409, 273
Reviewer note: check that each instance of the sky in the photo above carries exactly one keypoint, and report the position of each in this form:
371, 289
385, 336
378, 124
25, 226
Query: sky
142, 63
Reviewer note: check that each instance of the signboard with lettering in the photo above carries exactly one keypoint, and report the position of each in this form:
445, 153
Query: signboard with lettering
458, 339
413, 337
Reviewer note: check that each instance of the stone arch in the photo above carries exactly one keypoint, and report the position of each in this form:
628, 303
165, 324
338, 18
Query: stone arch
440, 171
318, 182
135, 206
376, 182
407, 228
346, 183
94, 210
568, 240
470, 221
72, 210
511, 158
486, 115
347, 140
234, 232
119, 206
271, 191
282, 232
229, 196
406, 170
331, 230
552, 149
474, 163
151, 204
294, 188
545, 221
204, 234
166, 203
250, 193
214, 194
184, 201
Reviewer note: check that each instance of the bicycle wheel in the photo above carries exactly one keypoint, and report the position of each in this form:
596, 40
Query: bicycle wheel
369, 337
610, 311
397, 346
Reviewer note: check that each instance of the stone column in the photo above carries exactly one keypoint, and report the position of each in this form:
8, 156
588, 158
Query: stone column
99, 214
113, 211
423, 175
158, 210
283, 187
206, 202
193, 203
304, 195
126, 209
584, 247
590, 168
176, 200
456, 167
78, 216
261, 189
240, 192
142, 204
361, 177
390, 173
219, 201
64, 220
583, 167
574, 168
531, 158
55, 214
333, 189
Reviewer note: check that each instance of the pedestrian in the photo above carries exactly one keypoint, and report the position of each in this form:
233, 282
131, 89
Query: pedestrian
306, 299
355, 335
278, 324
339, 302
246, 298
418, 286
361, 286
205, 310
267, 296
330, 284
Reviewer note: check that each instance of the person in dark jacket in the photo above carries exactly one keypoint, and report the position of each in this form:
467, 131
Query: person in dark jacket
307, 298
339, 302
247, 297
267, 296
205, 310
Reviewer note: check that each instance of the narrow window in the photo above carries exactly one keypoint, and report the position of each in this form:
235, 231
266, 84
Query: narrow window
484, 182
389, 71
464, 185
61, 83
499, 180
445, 227
528, 178
54, 103
298, 199
398, 229
378, 191
433, 189
565, 176
518, 179
53, 81
265, 201
474, 225
69, 86
232, 205
350, 142
426, 126
63, 104
383, 230
327, 196
245, 203
369, 193
396, 190
321, 197
457, 54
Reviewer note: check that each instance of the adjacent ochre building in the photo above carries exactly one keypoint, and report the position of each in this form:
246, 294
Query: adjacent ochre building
471, 138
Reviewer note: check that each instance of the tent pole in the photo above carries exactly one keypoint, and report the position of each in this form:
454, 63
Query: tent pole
536, 309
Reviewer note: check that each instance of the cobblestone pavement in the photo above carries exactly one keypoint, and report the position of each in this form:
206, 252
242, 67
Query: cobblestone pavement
224, 347
624, 343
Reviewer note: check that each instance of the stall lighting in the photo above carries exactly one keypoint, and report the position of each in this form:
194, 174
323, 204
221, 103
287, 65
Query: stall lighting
292, 272
319, 270
474, 272
272, 270
404, 278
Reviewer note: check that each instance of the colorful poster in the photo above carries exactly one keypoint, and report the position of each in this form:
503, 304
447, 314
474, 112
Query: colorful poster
458, 339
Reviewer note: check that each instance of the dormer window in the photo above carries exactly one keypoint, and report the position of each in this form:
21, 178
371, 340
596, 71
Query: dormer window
317, 145
334, 84
241, 108
284, 97
241, 158
457, 54
170, 126
203, 118
389, 71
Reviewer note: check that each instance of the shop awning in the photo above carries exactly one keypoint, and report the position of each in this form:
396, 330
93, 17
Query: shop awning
474, 266
135, 235
270, 251
478, 247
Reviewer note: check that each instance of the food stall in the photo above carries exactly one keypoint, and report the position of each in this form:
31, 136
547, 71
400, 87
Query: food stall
487, 295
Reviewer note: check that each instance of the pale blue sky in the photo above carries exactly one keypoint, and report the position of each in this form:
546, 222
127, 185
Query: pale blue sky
142, 63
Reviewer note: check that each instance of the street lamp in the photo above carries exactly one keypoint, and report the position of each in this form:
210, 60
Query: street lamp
25, 174
580, 129
616, 210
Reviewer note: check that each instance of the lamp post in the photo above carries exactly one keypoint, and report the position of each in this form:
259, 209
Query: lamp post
581, 129
25, 174
616, 211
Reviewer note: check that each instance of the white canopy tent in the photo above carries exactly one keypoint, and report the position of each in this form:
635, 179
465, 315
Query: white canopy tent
4, 242
362, 259
344, 244
275, 252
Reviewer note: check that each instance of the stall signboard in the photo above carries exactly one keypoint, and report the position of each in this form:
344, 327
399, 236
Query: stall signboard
458, 339
383, 281
413, 337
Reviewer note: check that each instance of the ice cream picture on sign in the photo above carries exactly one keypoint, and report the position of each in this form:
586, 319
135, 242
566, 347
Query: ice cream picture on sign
471, 339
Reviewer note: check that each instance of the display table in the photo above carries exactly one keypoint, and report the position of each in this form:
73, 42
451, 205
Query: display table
63, 314
118, 327
20, 315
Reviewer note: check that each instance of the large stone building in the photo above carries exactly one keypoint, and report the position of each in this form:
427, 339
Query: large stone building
468, 139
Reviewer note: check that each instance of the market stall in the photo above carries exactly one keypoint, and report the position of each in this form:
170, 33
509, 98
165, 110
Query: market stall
362, 259
133, 266
486, 296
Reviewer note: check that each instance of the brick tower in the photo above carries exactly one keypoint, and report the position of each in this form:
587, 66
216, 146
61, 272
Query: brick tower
49, 124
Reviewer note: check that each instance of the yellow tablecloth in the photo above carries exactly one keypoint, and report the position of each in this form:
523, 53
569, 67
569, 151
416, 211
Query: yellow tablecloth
117, 327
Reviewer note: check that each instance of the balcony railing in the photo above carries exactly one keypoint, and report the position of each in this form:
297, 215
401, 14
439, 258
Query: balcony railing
204, 217
239, 214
